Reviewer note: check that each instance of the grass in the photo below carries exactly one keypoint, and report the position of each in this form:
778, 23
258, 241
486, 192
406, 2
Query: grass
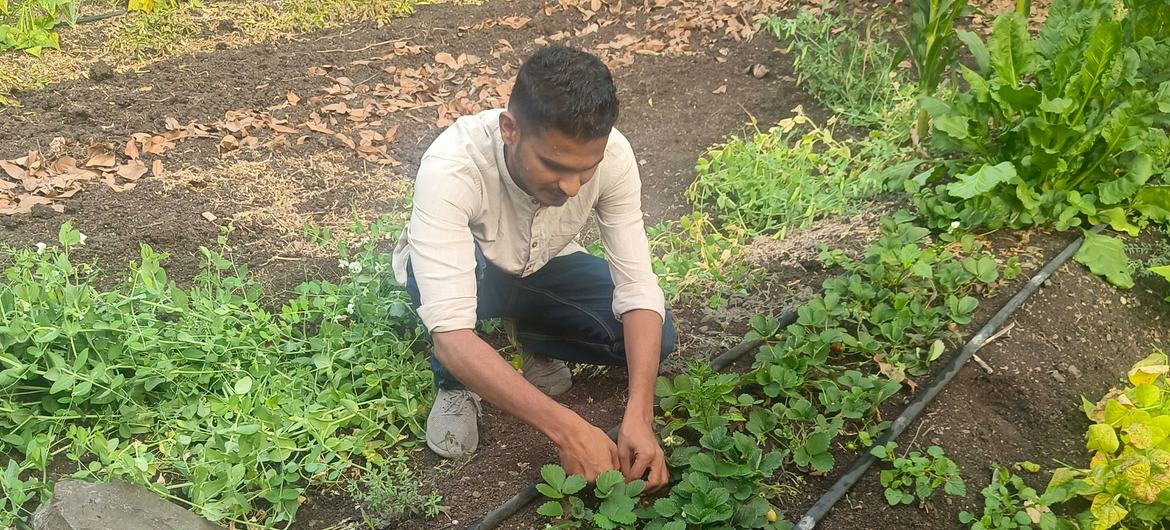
857, 76
139, 39
793, 174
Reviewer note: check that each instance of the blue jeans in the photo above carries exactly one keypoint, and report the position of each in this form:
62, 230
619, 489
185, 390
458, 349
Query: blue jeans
563, 311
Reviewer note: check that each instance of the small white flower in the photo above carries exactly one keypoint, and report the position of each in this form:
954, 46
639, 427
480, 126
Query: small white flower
954, 225
82, 239
41, 248
349, 308
355, 267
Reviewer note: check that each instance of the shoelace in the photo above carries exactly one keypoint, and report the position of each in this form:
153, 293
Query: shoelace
455, 403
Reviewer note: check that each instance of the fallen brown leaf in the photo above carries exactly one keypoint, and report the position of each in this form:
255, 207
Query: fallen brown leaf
721, 90
131, 149
447, 59
101, 160
293, 98
156, 168
132, 170
229, 143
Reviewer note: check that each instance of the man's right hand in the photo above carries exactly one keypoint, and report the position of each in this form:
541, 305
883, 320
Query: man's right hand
589, 452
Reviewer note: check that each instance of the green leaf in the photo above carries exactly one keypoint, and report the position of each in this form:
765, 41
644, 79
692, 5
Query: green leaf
1153, 202
977, 48
954, 125
1163, 271
1010, 50
1105, 256
243, 385
68, 236
574, 484
1139, 170
553, 475
1102, 438
551, 509
983, 180
607, 480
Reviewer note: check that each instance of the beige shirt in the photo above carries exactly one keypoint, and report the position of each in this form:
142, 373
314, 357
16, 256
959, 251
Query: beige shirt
464, 197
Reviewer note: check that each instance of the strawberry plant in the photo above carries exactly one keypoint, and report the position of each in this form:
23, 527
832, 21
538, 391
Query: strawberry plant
1009, 504
916, 476
1128, 480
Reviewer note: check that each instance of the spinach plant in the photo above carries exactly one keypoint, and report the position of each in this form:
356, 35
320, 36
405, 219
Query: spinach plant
1008, 503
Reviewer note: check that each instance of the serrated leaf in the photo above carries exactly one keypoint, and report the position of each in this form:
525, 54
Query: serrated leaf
551, 509
983, 180
607, 480
573, 484
553, 475
1105, 256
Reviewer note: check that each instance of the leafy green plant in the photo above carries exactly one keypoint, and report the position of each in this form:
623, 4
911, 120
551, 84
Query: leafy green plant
793, 174
1008, 503
700, 260
204, 394
617, 499
1128, 479
932, 42
390, 491
1058, 128
28, 25
700, 399
856, 75
916, 476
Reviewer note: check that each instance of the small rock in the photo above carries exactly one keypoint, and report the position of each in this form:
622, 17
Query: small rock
210, 217
475, 494
78, 505
759, 71
1057, 376
1073, 371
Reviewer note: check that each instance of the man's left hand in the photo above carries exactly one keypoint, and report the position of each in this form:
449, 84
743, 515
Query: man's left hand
639, 453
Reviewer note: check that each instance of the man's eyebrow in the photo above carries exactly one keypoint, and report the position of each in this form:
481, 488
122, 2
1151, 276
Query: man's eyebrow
561, 167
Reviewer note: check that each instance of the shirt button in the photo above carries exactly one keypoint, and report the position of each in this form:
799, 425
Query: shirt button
534, 201
535, 244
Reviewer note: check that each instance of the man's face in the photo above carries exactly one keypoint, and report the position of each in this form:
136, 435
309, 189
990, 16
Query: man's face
547, 164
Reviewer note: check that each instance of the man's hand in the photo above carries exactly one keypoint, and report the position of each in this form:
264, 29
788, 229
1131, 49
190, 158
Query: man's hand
639, 453
588, 452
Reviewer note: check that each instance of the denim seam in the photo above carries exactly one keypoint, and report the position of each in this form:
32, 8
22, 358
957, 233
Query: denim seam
610, 332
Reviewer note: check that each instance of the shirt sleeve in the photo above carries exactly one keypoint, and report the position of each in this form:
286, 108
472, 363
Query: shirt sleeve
442, 248
623, 233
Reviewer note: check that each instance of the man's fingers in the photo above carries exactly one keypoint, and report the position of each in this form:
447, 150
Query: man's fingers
614, 457
642, 462
659, 474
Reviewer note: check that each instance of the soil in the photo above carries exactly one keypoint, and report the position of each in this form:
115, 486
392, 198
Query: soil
674, 107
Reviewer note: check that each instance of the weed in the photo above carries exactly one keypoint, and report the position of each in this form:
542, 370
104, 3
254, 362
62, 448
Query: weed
916, 476
933, 42
154, 32
700, 260
390, 491
854, 75
793, 174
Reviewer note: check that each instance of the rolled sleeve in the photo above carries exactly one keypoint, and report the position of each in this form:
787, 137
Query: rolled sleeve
623, 233
442, 248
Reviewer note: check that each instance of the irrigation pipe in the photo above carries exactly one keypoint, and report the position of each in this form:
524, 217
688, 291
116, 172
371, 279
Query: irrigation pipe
529, 494
91, 18
818, 510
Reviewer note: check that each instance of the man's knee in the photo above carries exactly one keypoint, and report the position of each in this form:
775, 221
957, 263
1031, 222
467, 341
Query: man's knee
669, 336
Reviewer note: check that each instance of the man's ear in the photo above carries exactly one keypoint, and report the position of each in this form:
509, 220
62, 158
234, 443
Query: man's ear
509, 128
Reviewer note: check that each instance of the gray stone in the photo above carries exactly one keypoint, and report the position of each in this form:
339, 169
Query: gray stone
78, 505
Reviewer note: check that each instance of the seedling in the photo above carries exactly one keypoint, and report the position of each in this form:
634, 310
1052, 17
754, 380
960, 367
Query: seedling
916, 476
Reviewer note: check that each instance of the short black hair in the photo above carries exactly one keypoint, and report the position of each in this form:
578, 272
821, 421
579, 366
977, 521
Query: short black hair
566, 89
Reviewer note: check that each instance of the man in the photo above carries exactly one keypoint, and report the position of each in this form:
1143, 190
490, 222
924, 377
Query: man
499, 199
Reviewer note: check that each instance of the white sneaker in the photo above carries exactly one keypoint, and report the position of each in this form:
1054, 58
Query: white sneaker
453, 424
551, 376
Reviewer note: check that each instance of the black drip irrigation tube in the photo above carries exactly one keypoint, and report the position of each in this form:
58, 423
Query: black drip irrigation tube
91, 18
821, 508
818, 510
529, 494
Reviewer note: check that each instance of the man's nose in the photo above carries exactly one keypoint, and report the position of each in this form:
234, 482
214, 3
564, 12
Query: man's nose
571, 185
